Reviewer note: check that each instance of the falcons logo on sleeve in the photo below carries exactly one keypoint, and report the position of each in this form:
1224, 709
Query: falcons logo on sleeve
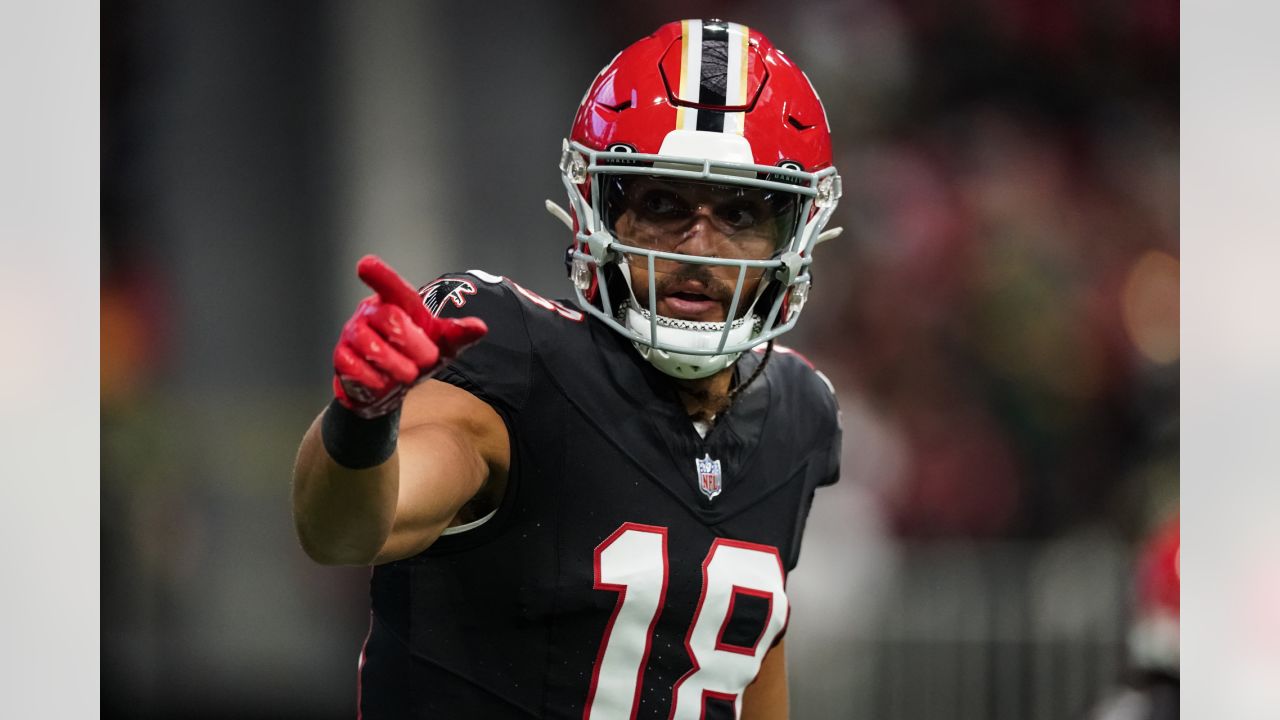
451, 290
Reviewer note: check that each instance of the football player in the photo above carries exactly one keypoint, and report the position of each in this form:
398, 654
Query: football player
591, 512
1151, 688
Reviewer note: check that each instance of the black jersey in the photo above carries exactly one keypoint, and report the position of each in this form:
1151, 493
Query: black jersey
633, 567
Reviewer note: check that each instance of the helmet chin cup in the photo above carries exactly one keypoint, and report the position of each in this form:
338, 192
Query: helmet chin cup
696, 336
686, 367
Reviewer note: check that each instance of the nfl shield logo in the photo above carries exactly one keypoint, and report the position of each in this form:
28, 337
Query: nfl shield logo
708, 476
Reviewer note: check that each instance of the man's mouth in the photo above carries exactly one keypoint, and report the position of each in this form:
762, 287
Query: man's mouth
691, 304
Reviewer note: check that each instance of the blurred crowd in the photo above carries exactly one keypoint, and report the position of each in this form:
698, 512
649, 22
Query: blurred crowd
1008, 301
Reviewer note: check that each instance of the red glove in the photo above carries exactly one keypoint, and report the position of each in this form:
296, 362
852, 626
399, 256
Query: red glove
393, 342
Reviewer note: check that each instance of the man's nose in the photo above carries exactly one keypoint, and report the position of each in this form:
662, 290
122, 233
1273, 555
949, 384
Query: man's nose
700, 236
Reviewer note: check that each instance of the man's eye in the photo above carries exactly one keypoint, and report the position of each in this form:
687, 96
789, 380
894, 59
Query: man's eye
740, 215
662, 204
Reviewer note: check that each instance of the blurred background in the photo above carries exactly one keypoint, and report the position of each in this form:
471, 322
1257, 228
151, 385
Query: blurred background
1000, 319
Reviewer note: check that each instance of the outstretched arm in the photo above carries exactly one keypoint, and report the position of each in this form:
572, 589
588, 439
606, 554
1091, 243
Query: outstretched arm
362, 495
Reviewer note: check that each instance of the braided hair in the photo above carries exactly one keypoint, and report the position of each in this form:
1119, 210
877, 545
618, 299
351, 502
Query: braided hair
733, 394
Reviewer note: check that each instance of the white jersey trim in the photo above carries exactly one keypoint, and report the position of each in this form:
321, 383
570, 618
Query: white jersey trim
469, 526
486, 276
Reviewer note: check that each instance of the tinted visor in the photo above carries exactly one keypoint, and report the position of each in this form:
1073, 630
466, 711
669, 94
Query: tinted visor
655, 212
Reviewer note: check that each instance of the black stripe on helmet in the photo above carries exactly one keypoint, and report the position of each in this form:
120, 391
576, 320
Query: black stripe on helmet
712, 120
715, 65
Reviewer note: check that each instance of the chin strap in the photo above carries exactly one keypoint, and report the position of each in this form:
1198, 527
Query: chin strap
825, 235
562, 215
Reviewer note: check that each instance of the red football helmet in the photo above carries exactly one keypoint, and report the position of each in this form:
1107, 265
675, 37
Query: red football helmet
699, 102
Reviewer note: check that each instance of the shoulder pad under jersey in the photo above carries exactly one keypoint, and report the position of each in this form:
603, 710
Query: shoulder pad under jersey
808, 395
497, 368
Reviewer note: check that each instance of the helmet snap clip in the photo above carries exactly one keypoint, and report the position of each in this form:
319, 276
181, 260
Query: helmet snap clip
829, 191
601, 246
573, 164
792, 265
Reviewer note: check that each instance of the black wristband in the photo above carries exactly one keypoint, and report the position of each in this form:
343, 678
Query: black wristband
356, 443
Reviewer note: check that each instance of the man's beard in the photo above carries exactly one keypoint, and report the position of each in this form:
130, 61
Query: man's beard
711, 403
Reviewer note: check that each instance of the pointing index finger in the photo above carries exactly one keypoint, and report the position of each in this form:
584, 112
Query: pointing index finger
393, 289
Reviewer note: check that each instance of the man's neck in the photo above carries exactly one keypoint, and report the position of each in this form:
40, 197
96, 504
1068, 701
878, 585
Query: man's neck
707, 397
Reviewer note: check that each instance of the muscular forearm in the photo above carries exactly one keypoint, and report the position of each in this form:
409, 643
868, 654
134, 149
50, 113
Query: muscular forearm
450, 445
342, 516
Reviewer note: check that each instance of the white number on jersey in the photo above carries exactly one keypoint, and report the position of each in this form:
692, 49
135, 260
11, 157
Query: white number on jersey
633, 562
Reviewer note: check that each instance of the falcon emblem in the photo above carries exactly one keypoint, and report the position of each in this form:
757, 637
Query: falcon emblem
451, 290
